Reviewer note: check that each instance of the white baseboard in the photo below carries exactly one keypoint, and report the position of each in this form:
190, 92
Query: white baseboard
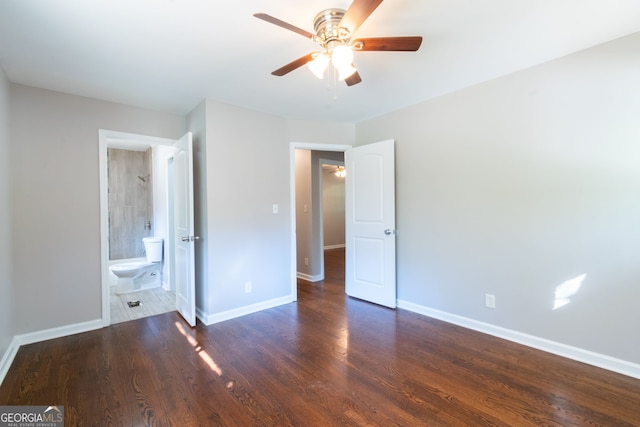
210, 319
7, 358
585, 356
43, 335
309, 278
329, 247
59, 332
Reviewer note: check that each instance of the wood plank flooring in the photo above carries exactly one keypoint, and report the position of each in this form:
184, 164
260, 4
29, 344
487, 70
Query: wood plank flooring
327, 360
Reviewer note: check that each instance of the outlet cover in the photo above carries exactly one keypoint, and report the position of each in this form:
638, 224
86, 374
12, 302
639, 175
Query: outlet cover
490, 301
248, 287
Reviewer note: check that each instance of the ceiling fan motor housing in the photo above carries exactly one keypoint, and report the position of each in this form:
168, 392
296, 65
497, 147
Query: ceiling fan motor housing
328, 30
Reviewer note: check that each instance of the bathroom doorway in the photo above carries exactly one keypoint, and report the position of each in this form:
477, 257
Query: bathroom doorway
135, 203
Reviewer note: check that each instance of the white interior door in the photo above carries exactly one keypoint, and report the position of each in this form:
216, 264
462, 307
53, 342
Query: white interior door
370, 223
184, 237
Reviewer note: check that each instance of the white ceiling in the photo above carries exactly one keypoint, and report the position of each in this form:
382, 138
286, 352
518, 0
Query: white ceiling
171, 54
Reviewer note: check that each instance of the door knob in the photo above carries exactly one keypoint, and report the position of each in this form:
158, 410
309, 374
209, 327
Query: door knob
389, 231
190, 238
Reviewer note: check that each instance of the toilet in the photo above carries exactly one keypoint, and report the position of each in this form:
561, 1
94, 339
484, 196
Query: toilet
132, 276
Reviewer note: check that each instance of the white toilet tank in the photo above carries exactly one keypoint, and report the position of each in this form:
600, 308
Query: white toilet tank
153, 248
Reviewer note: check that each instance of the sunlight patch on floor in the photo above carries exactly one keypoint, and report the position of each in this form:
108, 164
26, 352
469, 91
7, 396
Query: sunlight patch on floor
201, 351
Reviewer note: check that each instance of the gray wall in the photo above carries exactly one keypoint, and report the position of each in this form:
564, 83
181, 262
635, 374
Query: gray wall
54, 143
246, 158
333, 213
6, 278
247, 164
320, 132
515, 186
130, 202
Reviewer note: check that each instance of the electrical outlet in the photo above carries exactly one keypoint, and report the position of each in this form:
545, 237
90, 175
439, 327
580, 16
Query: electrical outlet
490, 301
248, 287
275, 208
306, 261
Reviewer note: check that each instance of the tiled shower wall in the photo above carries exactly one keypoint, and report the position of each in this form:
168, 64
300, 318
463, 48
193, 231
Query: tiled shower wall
130, 202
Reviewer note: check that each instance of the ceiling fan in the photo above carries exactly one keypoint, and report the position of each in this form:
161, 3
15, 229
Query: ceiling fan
334, 29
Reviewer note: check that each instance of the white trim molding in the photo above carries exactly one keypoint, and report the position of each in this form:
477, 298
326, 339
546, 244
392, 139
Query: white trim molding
7, 358
329, 247
210, 319
59, 332
310, 278
581, 355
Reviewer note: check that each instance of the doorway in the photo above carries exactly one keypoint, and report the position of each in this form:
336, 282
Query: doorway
369, 220
307, 225
320, 209
159, 297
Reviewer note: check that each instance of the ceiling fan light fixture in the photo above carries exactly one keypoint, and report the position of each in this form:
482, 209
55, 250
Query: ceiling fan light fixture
342, 56
333, 30
342, 60
319, 65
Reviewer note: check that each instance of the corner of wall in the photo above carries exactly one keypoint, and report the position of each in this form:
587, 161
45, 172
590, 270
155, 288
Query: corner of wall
6, 206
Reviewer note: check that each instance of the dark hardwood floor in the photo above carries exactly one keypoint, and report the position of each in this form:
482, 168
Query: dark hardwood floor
327, 360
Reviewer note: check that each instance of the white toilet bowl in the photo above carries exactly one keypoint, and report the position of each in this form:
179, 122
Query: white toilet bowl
129, 275
133, 275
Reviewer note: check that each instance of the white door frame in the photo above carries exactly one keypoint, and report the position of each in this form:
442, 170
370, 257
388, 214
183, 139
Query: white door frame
293, 146
114, 139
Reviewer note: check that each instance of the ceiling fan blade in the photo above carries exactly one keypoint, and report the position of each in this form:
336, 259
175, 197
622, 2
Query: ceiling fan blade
283, 24
357, 13
397, 44
293, 65
353, 79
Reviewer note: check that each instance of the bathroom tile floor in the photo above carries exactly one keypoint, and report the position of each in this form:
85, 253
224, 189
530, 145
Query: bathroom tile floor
152, 301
